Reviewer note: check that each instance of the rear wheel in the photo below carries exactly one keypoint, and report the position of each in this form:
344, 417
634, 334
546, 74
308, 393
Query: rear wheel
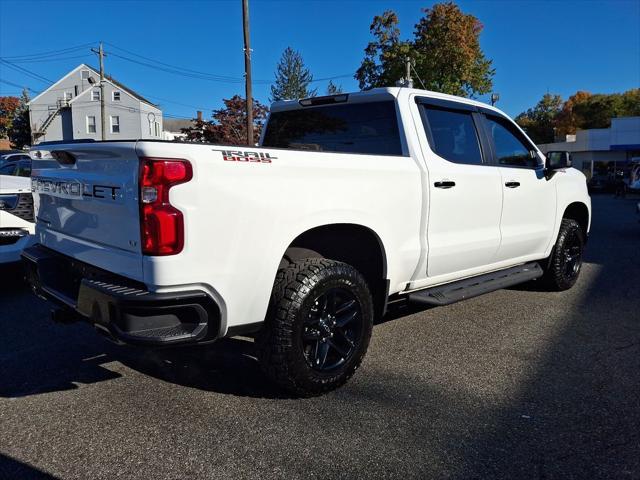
318, 326
563, 267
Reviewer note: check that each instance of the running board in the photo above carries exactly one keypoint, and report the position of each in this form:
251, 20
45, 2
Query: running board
474, 286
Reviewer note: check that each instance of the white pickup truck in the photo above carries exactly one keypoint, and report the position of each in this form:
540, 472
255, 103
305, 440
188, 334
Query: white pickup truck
349, 202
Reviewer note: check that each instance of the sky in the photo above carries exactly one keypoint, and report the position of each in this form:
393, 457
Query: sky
536, 46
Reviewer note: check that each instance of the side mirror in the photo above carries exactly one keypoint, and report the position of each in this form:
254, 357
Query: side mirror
558, 160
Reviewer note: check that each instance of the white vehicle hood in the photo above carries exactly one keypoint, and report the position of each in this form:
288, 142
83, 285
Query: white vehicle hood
11, 184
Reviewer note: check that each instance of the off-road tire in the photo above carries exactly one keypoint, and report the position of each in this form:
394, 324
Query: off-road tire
280, 345
559, 275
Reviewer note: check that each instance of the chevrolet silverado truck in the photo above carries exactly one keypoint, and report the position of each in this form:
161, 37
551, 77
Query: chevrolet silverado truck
349, 202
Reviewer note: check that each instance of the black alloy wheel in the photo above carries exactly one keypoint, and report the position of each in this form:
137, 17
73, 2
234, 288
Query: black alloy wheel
318, 326
572, 253
563, 266
332, 330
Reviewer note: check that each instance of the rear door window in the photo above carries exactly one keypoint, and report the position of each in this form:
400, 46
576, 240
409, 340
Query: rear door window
369, 128
453, 135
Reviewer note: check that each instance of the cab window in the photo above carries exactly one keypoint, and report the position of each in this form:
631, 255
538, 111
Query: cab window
367, 128
452, 135
510, 148
8, 169
23, 169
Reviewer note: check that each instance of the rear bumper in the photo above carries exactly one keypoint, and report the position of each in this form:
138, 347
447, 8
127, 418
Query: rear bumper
122, 308
10, 251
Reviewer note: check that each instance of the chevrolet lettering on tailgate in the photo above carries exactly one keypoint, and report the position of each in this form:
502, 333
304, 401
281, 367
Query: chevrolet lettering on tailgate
73, 189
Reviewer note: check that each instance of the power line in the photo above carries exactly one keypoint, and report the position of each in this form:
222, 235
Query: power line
49, 53
186, 72
25, 71
132, 109
177, 103
174, 67
179, 72
18, 86
50, 59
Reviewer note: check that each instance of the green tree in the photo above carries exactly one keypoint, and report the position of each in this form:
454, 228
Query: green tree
333, 89
584, 110
228, 125
20, 131
631, 103
385, 56
292, 78
445, 50
540, 121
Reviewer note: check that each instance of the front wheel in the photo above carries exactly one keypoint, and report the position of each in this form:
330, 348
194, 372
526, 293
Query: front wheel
318, 326
565, 262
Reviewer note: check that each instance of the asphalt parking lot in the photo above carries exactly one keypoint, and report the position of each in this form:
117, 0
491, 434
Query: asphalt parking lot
519, 383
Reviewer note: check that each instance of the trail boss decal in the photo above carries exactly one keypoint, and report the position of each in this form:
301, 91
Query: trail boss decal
239, 156
73, 189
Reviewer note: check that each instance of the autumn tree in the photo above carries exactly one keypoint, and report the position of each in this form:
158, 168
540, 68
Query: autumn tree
445, 50
569, 119
333, 89
293, 78
596, 111
228, 125
19, 132
581, 111
8, 107
540, 121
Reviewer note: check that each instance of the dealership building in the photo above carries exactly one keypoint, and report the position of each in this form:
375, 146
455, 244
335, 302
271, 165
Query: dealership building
602, 150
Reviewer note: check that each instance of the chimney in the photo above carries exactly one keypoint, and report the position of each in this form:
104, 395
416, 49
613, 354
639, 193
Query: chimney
199, 115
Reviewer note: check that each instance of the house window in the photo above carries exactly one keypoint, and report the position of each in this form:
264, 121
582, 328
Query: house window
85, 74
115, 96
91, 124
115, 124
157, 128
95, 95
68, 95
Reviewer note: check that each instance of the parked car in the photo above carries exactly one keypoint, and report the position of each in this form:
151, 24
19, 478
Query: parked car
601, 183
634, 178
18, 167
13, 157
16, 217
350, 201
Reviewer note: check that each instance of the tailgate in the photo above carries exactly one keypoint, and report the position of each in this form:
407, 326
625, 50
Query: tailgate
86, 203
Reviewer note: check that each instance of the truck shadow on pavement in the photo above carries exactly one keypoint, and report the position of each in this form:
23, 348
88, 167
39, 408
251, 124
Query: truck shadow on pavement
11, 468
38, 356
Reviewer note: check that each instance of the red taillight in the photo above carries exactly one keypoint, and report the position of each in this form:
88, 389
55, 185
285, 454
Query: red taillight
162, 225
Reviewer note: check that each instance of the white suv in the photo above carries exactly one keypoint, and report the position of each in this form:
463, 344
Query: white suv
16, 207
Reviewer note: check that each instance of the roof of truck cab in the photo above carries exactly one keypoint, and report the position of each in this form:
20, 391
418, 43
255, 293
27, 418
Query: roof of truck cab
385, 93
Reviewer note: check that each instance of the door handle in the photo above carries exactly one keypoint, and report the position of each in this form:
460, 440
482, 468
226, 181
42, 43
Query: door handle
444, 184
512, 184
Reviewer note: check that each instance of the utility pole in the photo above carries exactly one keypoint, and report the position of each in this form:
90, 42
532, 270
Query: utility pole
247, 71
103, 117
